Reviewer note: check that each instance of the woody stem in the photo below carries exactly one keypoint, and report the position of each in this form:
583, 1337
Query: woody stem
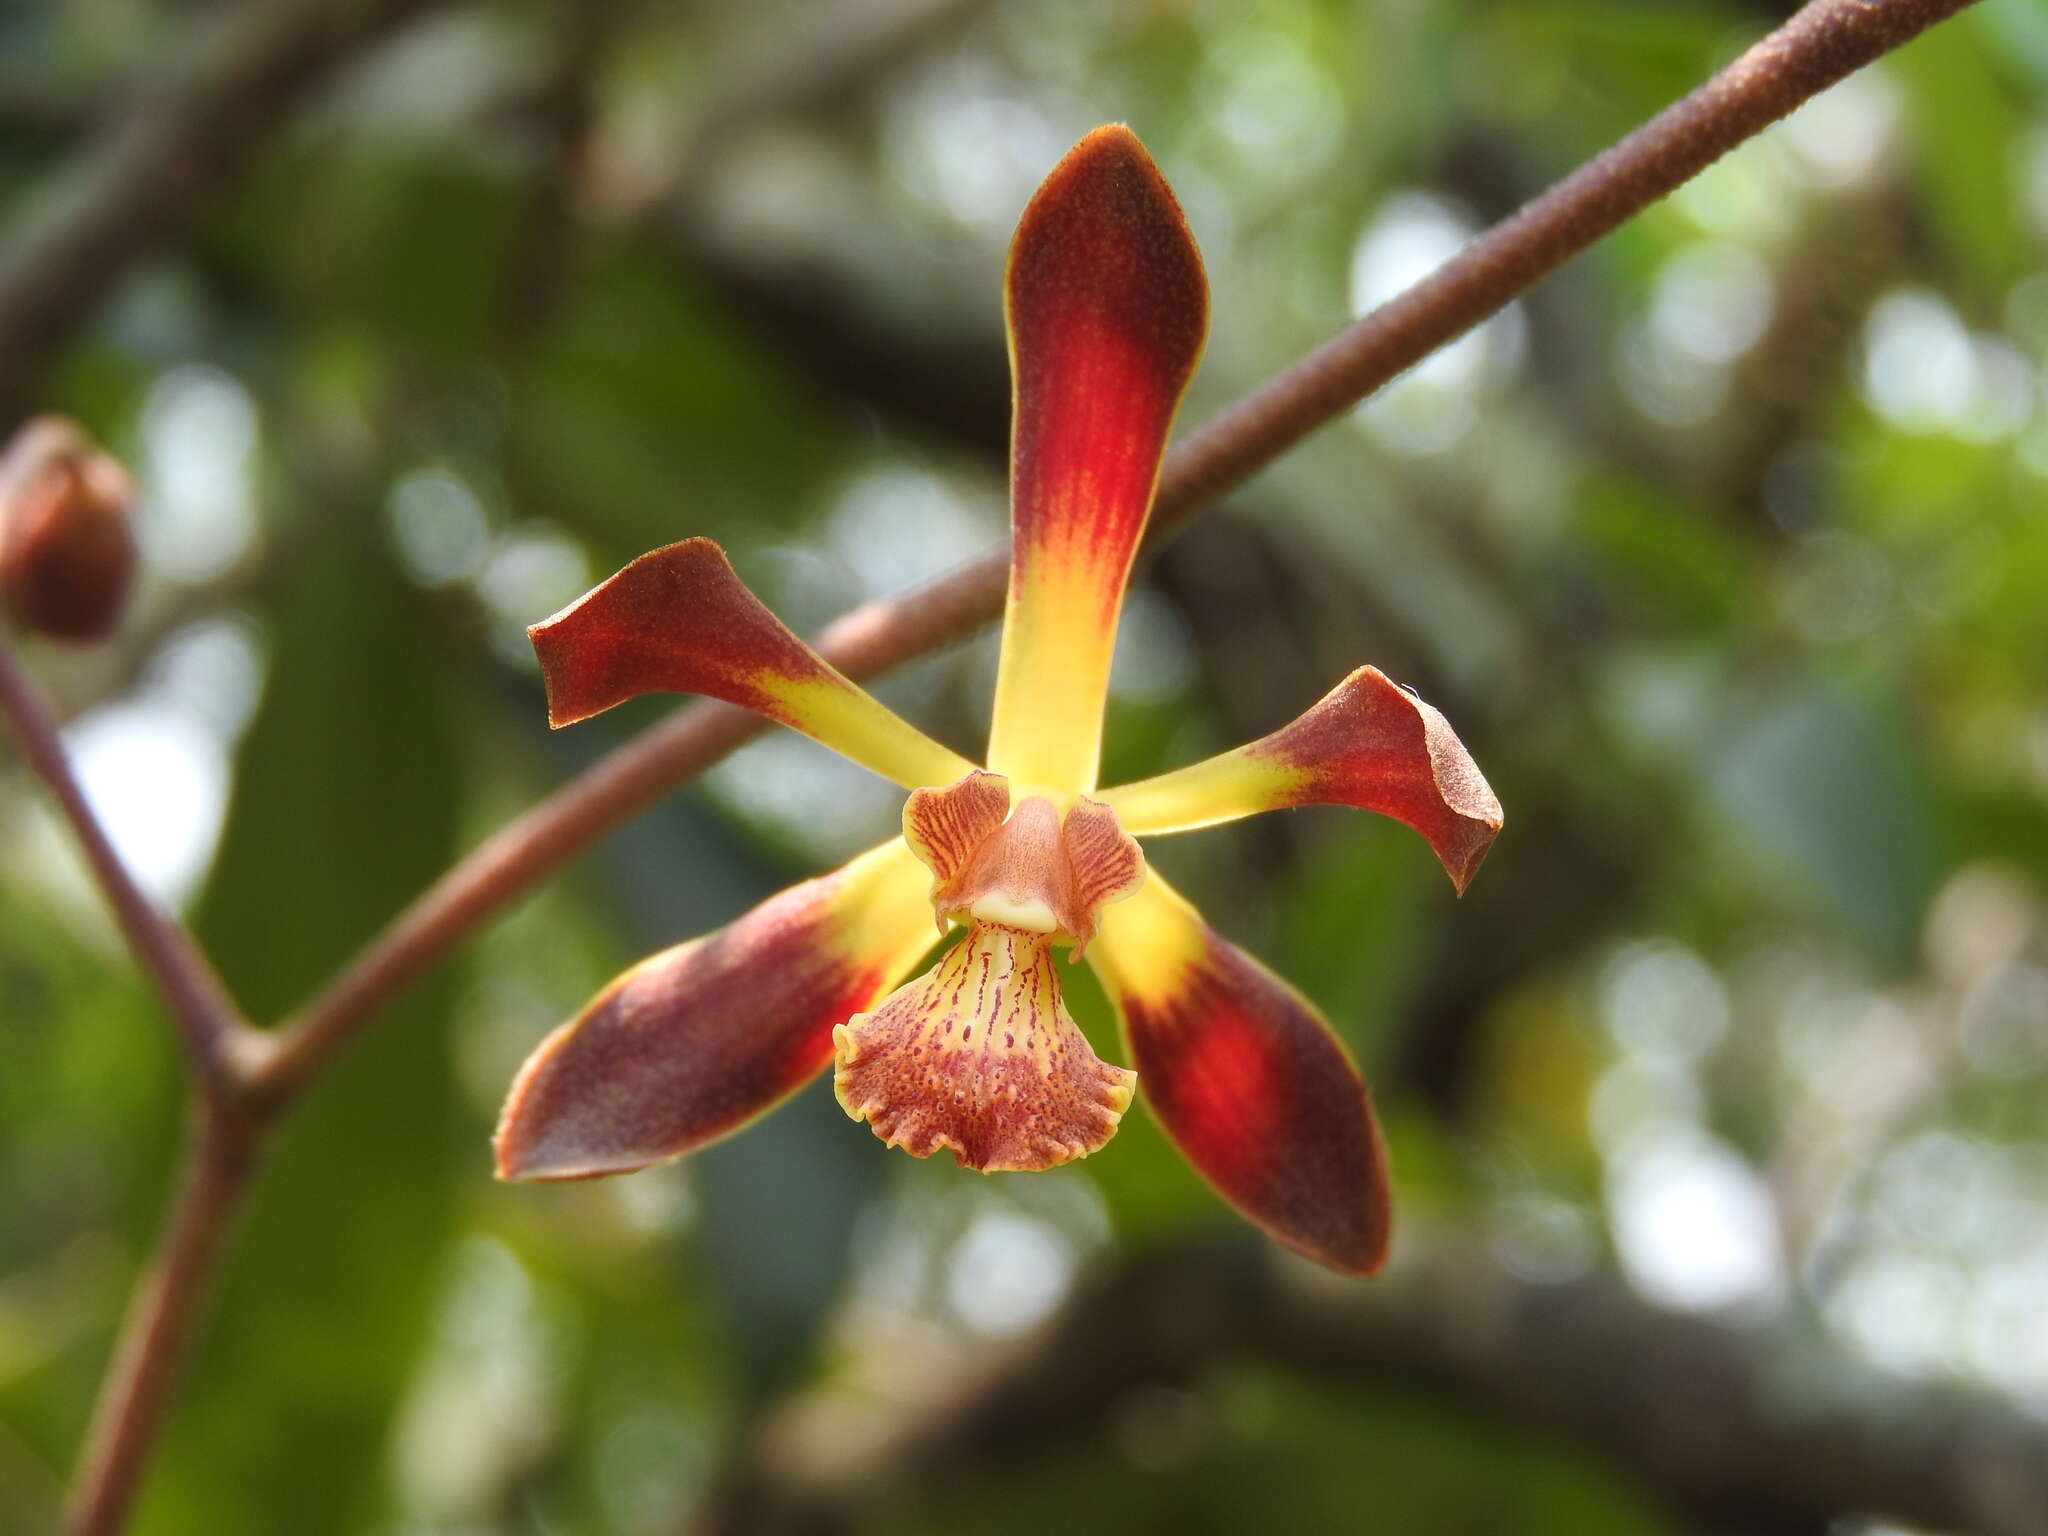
219, 1156
209, 1025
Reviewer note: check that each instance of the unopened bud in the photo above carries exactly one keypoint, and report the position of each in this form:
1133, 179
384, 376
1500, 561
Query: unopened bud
67, 554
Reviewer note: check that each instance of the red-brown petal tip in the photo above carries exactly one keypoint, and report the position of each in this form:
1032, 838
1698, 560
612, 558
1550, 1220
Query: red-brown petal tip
1103, 246
1373, 744
1249, 1082
677, 620
692, 1043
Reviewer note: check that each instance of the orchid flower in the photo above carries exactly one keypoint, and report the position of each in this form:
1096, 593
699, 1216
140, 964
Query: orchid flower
1107, 308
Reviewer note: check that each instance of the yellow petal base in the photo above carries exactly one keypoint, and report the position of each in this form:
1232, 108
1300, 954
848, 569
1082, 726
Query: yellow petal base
979, 1056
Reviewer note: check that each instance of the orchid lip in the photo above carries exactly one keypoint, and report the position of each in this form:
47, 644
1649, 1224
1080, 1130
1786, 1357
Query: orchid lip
980, 1057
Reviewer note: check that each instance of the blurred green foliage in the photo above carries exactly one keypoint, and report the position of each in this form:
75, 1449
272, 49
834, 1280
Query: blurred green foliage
1724, 551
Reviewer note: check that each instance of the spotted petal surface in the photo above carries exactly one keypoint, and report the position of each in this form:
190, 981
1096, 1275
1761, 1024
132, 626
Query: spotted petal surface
980, 1057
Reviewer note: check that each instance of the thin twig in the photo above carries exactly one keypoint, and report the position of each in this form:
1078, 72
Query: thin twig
216, 1042
161, 1313
209, 1024
60, 258
1820, 45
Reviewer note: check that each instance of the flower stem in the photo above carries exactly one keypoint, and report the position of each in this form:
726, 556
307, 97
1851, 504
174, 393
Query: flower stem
218, 1160
209, 1025
161, 1313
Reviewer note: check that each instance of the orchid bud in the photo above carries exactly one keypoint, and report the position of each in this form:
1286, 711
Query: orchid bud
67, 553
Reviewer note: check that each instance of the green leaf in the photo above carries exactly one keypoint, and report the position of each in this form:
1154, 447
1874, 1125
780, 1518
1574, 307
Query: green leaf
345, 807
1818, 781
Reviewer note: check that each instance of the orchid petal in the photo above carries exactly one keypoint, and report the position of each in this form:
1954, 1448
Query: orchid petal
680, 621
1368, 743
692, 1043
1247, 1080
1107, 308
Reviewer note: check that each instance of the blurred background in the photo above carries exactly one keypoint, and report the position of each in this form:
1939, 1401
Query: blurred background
1718, 1109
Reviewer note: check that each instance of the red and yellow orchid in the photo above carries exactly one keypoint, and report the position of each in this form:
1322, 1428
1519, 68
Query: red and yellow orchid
1107, 308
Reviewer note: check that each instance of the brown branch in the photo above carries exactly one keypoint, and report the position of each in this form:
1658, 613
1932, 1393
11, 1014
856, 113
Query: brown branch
161, 1314
1730, 1426
1822, 43
216, 1043
209, 1024
148, 177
